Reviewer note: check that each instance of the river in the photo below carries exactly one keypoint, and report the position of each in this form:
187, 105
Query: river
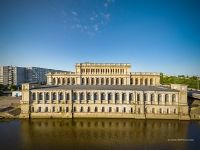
97, 134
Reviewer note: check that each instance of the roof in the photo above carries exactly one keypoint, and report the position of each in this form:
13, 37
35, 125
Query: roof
107, 87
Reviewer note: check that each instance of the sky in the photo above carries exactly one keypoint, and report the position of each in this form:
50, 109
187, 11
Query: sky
152, 35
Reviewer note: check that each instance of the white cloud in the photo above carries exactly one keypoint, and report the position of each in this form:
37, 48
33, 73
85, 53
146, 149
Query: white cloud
74, 13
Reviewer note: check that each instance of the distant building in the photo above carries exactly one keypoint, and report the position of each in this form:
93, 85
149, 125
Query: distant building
36, 74
13, 75
16, 93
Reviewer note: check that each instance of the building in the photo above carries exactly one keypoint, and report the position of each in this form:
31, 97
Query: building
104, 91
37, 74
12, 75
16, 93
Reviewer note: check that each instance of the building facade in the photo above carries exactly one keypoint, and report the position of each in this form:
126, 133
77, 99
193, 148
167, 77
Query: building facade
13, 75
104, 91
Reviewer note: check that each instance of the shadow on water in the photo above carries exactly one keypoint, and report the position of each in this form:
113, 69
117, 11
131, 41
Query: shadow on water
101, 134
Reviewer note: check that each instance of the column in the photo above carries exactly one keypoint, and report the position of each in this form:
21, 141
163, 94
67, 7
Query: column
50, 97
43, 97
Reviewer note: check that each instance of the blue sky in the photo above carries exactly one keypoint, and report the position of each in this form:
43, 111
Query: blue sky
152, 35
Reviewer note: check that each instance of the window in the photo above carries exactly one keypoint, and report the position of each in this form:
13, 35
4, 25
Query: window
152, 98
46, 109
67, 109
81, 109
117, 109
60, 109
138, 98
173, 98
39, 109
40, 96
103, 109
124, 110
88, 109
54, 96
47, 96
60, 96
53, 109
102, 96
95, 96
33, 96
32, 109
96, 109
110, 109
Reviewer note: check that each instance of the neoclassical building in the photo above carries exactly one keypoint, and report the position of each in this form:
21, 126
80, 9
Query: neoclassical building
104, 91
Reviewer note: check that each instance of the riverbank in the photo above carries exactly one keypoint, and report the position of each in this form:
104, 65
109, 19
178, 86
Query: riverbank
9, 107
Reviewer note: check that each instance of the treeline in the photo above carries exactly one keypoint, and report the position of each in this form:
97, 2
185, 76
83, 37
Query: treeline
191, 81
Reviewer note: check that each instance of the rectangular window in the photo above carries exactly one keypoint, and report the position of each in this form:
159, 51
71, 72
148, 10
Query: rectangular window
53, 109
67, 109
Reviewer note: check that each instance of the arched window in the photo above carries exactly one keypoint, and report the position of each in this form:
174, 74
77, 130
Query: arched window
131, 110
75, 96
63, 80
92, 81
138, 98
151, 81
160, 110
58, 80
83, 81
109, 96
88, 110
73, 81
159, 98
107, 81
87, 81
116, 96
130, 97
146, 81
54, 96
103, 109
47, 96
124, 109
54, 81
81, 96
173, 98
81, 109
122, 81
117, 81
123, 98
136, 81
102, 81
117, 109
96, 109
166, 98
152, 98
141, 81
46, 109
112, 81
131, 81
102, 96
68, 81
67, 96
95, 96
145, 97
33, 96
40, 96
97, 81
60, 96
88, 96
168, 111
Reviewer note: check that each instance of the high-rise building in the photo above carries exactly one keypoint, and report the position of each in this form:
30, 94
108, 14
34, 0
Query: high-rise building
13, 75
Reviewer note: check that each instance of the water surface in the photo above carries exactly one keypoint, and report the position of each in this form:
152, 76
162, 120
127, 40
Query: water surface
106, 134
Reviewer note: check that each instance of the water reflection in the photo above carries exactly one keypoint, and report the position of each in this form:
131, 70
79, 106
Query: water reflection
102, 134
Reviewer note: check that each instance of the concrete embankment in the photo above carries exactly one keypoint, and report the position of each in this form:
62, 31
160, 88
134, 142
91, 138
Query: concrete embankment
9, 107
